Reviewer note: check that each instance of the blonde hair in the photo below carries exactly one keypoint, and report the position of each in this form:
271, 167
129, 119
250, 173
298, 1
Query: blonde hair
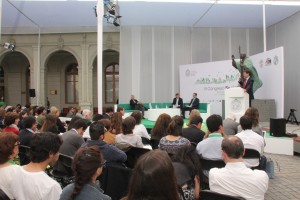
54, 110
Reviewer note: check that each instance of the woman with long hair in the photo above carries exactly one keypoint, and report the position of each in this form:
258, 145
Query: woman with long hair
60, 125
153, 178
87, 165
161, 125
254, 116
139, 128
49, 125
9, 149
11, 122
116, 123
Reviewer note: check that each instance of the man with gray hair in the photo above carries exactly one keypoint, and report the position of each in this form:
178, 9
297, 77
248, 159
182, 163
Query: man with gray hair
230, 125
87, 115
235, 178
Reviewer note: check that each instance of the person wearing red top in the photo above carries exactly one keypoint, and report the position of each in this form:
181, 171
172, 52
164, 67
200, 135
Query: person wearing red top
11, 121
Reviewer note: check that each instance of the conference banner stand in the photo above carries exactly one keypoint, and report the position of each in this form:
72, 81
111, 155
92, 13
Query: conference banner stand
236, 102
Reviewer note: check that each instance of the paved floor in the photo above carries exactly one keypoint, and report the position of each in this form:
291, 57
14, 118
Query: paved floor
286, 184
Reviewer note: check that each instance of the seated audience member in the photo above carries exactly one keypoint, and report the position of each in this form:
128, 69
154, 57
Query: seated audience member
9, 143
110, 153
86, 134
23, 114
160, 128
121, 110
41, 116
153, 178
109, 111
2, 116
254, 116
11, 122
79, 112
173, 140
31, 181
235, 178
187, 167
60, 125
49, 125
230, 125
72, 141
72, 112
127, 137
87, 115
194, 104
139, 129
193, 113
136, 105
210, 148
251, 140
87, 166
116, 123
72, 122
194, 133
109, 137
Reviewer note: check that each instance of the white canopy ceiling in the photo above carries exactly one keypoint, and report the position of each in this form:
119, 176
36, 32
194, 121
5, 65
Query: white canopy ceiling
79, 16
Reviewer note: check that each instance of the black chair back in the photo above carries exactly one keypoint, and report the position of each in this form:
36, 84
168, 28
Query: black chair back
3, 196
154, 143
209, 164
251, 153
65, 176
133, 155
24, 156
210, 195
145, 141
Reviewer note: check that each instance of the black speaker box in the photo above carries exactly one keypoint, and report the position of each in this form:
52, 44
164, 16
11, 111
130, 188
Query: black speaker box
277, 127
31, 92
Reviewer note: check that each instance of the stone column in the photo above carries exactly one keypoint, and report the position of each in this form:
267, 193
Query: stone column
35, 77
86, 97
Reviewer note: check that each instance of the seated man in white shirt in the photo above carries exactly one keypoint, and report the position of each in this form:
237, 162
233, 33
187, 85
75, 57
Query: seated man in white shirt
251, 140
235, 178
31, 181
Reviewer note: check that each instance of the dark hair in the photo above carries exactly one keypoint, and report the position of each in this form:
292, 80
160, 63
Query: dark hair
153, 178
72, 122
175, 126
2, 113
233, 147
253, 114
106, 124
247, 71
49, 124
188, 156
246, 122
161, 125
10, 109
97, 117
116, 123
96, 130
85, 164
23, 112
7, 145
176, 94
43, 144
10, 118
137, 116
29, 121
214, 122
80, 123
120, 108
195, 120
128, 125
40, 110
109, 109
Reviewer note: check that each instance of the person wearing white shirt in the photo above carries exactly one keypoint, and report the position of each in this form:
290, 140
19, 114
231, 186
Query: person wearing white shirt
251, 140
139, 129
31, 181
235, 178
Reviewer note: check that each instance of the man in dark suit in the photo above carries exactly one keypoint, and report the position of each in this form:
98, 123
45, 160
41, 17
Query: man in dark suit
194, 133
177, 101
136, 105
194, 104
247, 84
109, 111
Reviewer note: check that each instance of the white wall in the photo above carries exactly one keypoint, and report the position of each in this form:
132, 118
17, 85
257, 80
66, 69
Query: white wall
286, 34
150, 56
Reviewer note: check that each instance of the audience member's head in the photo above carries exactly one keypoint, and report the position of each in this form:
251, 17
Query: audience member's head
194, 112
153, 178
87, 114
80, 126
41, 110
96, 130
97, 117
11, 118
23, 114
107, 124
54, 111
245, 122
137, 116
175, 126
87, 166
128, 125
44, 147
109, 110
30, 123
253, 114
2, 113
161, 125
232, 148
72, 122
214, 123
9, 146
196, 120
121, 110
116, 123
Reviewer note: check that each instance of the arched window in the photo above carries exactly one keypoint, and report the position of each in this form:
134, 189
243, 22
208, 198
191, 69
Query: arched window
111, 83
72, 83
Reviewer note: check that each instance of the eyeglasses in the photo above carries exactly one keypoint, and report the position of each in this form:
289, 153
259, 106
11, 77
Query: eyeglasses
103, 164
17, 143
